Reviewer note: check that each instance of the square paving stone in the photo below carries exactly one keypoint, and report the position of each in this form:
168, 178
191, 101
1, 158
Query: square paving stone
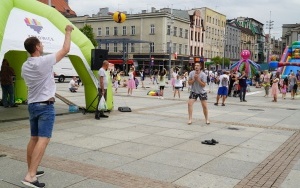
122, 135
157, 140
5, 135
297, 166
106, 160
279, 132
179, 158
19, 142
247, 154
89, 129
62, 135
198, 147
237, 133
91, 142
12, 171
292, 180
8, 184
271, 137
63, 150
180, 134
117, 124
198, 179
154, 170
145, 129
261, 145
227, 167
130, 149
93, 184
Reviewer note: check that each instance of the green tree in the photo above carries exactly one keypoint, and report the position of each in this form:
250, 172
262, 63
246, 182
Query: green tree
88, 31
217, 60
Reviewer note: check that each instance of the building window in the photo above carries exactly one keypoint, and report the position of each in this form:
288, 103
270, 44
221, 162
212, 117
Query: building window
99, 33
192, 35
133, 30
107, 31
152, 29
132, 47
180, 49
174, 47
107, 46
124, 30
115, 47
180, 32
168, 30
152, 47
115, 31
186, 33
175, 31
186, 49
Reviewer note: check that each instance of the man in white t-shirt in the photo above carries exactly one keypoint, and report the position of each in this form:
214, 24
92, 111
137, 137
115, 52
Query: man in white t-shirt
102, 88
38, 74
73, 86
223, 88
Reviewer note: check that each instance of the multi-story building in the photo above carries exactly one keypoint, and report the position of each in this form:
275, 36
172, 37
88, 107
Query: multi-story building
147, 36
215, 24
232, 42
290, 33
258, 45
196, 39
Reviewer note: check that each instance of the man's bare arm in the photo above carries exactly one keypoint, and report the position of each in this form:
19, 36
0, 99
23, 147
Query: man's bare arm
67, 44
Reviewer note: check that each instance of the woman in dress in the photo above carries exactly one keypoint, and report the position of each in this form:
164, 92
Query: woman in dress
266, 82
275, 89
131, 82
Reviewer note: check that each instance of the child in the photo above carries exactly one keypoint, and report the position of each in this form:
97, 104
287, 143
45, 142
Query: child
116, 84
283, 89
178, 86
136, 82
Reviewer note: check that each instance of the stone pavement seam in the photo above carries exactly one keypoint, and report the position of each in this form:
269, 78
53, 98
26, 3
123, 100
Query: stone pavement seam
114, 177
275, 168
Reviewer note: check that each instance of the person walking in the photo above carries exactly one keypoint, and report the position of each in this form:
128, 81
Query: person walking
283, 89
7, 75
131, 82
275, 88
142, 74
197, 80
243, 86
232, 79
162, 83
266, 82
102, 89
37, 72
293, 86
178, 85
223, 88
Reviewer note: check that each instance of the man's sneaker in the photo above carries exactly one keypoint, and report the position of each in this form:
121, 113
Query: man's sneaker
35, 184
39, 173
244, 101
104, 116
216, 104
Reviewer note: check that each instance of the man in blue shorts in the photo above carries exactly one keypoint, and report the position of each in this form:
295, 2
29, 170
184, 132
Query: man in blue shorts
223, 88
37, 72
197, 80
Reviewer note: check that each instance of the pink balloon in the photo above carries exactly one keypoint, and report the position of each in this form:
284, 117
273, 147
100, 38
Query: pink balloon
245, 54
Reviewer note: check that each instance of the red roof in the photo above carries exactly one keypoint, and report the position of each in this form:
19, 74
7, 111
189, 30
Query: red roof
61, 6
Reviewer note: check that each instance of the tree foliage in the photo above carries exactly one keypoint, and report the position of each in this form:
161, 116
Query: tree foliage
88, 31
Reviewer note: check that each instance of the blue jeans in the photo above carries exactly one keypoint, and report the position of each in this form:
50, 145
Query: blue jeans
41, 117
8, 96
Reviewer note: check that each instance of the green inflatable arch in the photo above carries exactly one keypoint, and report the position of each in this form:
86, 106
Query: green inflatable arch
20, 19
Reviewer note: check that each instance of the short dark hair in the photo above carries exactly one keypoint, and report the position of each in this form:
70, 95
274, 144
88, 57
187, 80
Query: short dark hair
30, 44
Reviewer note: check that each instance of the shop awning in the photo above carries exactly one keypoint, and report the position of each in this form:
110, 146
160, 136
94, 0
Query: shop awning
119, 61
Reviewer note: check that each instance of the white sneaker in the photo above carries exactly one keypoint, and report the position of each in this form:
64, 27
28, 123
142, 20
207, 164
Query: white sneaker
161, 98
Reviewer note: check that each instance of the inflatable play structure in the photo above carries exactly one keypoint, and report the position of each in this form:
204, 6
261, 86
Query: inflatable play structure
290, 60
21, 19
249, 66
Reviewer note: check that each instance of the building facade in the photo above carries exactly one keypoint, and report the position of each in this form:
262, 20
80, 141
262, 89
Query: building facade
290, 33
153, 37
233, 42
215, 24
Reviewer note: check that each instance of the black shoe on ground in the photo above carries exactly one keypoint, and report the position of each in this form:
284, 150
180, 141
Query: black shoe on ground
104, 116
244, 101
39, 173
35, 184
216, 104
97, 117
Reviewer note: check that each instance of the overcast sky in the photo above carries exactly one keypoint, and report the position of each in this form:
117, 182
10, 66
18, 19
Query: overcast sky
282, 12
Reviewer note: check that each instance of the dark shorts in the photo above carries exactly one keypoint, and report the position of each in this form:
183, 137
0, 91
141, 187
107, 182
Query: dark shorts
202, 96
223, 91
161, 87
41, 117
178, 87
